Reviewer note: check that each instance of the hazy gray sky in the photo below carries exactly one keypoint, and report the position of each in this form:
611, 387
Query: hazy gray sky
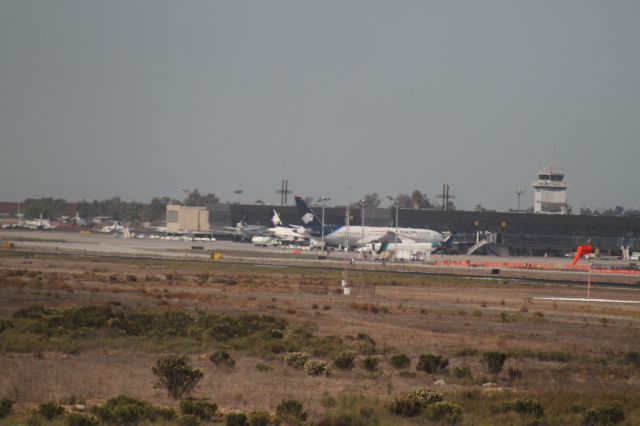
143, 98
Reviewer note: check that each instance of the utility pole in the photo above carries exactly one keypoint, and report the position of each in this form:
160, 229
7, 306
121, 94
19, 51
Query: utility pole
445, 197
284, 192
362, 227
395, 203
519, 193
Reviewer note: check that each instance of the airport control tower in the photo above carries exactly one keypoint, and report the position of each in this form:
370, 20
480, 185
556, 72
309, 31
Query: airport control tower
550, 192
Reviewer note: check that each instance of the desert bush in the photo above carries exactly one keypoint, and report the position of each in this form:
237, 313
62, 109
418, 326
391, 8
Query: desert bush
316, 368
553, 356
263, 368
32, 312
5, 325
603, 415
296, 359
494, 361
201, 409
525, 406
632, 358
432, 363
444, 412
236, 419
466, 352
222, 357
514, 373
5, 407
370, 363
72, 399
400, 361
413, 403
50, 409
259, 418
176, 375
366, 344
344, 360
124, 410
462, 373
291, 412
76, 419
187, 420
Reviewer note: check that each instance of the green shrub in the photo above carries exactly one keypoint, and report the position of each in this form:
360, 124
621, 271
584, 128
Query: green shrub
236, 419
291, 412
400, 361
263, 368
602, 415
222, 357
514, 373
259, 418
50, 409
526, 406
370, 363
5, 324
176, 375
462, 373
5, 407
366, 345
413, 403
432, 363
494, 361
76, 419
632, 358
445, 412
344, 360
124, 410
201, 409
296, 359
187, 420
466, 352
316, 368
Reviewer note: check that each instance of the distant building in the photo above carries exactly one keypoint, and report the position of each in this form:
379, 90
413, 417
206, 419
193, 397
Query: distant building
550, 192
187, 219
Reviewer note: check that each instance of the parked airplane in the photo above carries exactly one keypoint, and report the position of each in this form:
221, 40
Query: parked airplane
357, 235
286, 233
36, 223
114, 227
242, 231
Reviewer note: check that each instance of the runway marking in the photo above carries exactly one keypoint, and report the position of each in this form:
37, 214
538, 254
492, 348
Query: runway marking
584, 299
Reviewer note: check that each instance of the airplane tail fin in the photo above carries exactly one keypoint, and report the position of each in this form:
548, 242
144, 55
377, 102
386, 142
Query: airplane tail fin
309, 218
275, 220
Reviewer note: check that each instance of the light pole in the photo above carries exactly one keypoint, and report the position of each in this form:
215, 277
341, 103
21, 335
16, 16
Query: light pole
362, 203
395, 204
519, 193
323, 201
186, 196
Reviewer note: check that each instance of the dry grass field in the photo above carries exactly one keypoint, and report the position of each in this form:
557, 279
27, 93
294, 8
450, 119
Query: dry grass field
566, 362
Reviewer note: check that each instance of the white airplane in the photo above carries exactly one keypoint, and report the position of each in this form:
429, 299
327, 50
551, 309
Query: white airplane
358, 236
36, 223
286, 233
114, 227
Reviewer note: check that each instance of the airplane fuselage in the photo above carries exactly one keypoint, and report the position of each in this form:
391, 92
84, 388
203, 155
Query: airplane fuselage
356, 236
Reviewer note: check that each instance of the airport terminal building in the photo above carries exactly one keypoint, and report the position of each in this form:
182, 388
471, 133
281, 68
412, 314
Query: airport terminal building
502, 233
